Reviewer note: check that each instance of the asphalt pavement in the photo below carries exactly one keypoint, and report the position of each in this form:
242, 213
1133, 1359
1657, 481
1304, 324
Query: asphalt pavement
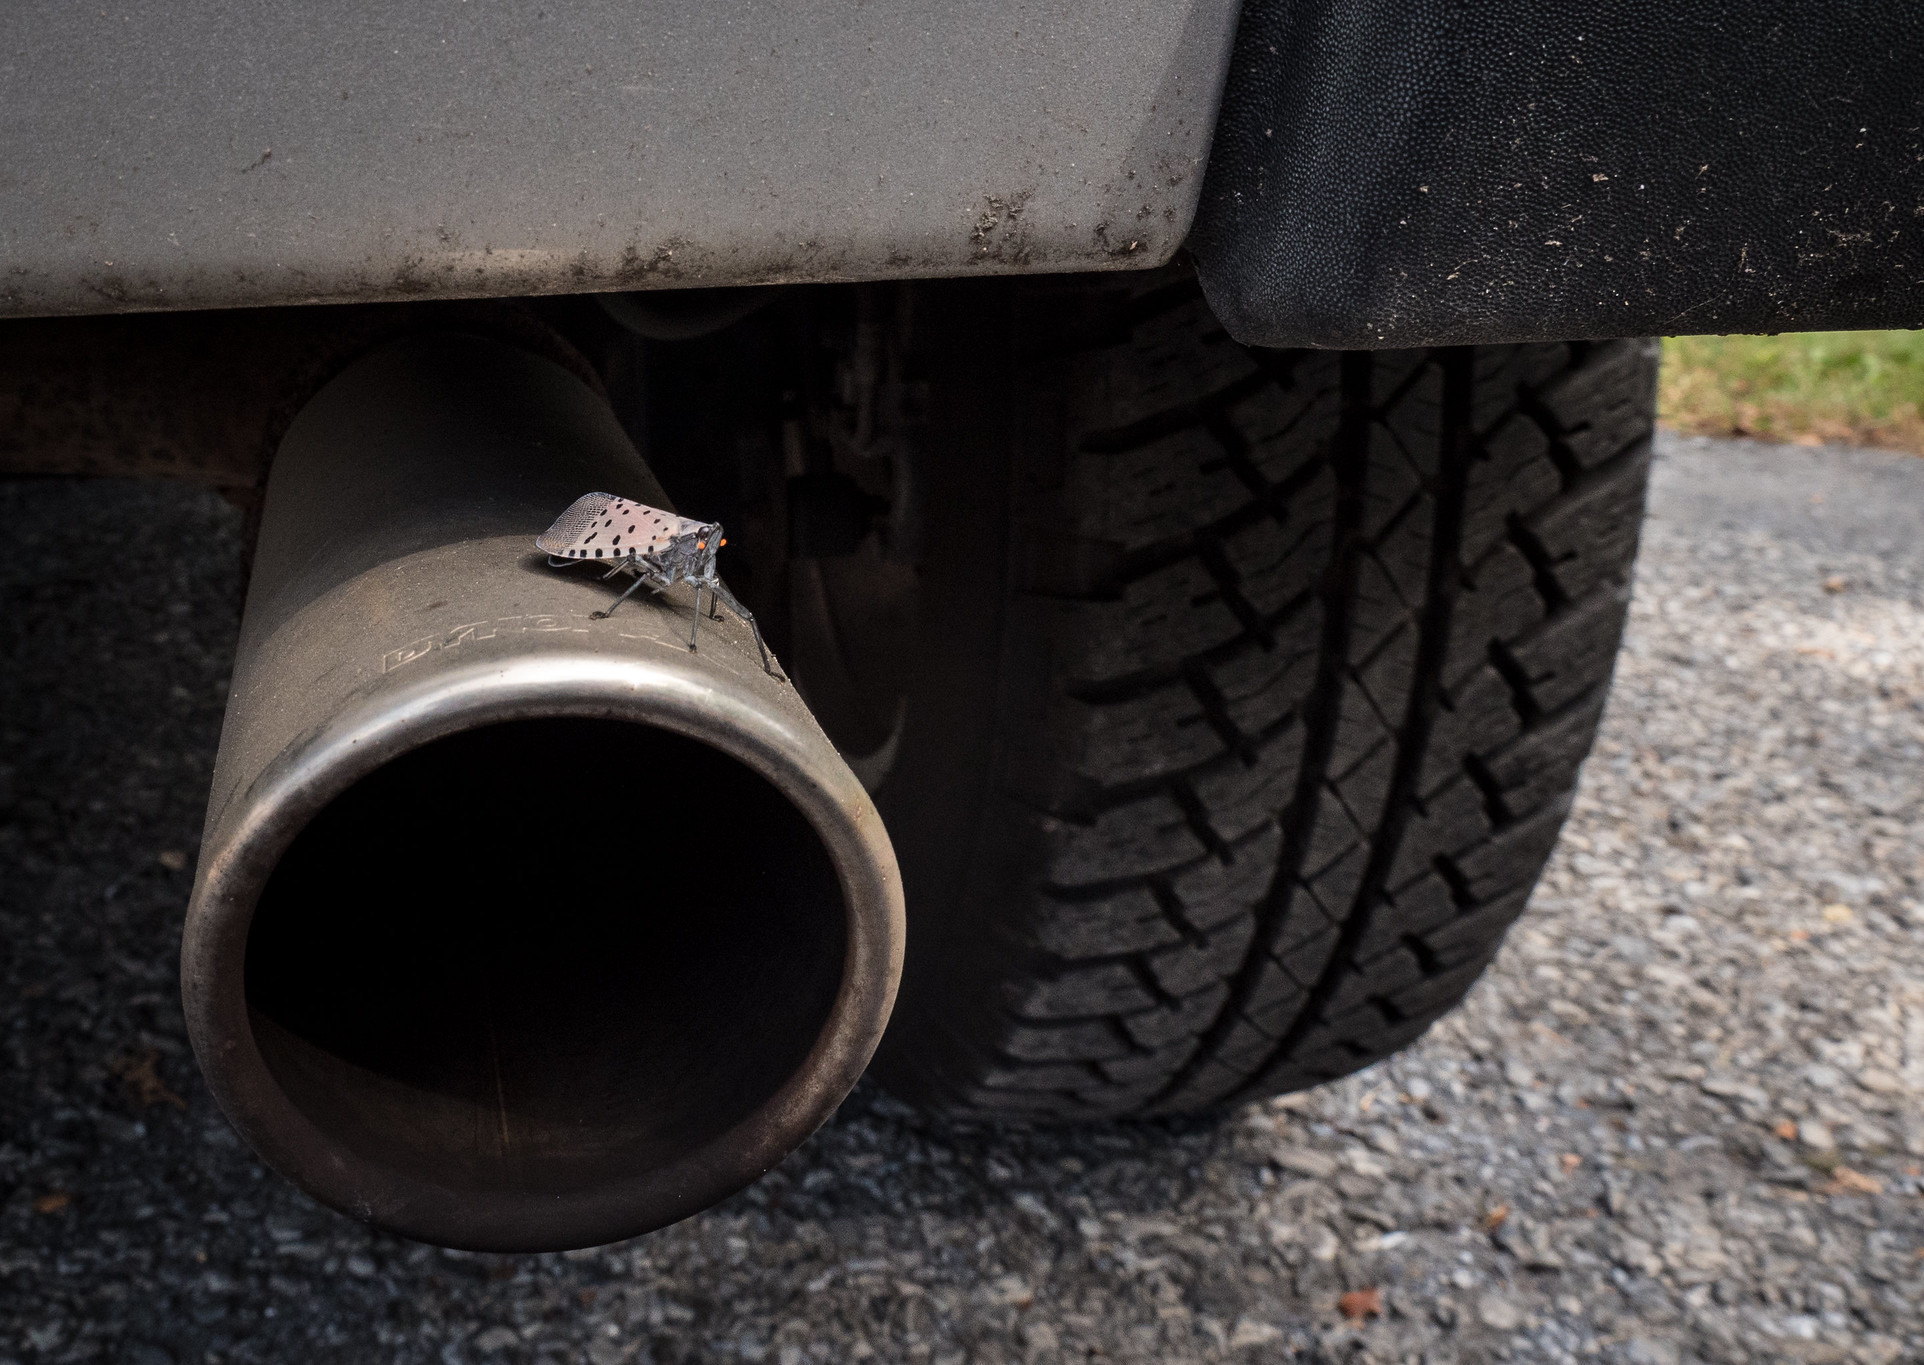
1681, 1120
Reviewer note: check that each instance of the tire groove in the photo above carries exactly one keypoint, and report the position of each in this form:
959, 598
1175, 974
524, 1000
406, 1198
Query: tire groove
1322, 714
1569, 468
1196, 815
1044, 964
1173, 912
1509, 668
1445, 576
1084, 892
1229, 585
1396, 395
1131, 686
1542, 565
1134, 565
1480, 776
1094, 799
1134, 435
1215, 709
1460, 894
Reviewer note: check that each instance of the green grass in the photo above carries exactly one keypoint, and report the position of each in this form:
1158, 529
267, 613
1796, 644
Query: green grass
1860, 388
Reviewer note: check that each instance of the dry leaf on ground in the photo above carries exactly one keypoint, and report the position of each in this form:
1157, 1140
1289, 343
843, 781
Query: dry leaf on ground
1844, 1180
140, 1076
1361, 1303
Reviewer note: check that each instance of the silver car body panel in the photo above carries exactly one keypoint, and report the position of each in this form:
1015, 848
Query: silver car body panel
216, 153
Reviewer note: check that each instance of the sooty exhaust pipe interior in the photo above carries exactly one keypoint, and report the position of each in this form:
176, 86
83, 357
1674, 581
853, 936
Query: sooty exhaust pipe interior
514, 929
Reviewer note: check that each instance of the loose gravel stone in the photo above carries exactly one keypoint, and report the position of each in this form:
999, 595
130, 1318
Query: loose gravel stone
1682, 1120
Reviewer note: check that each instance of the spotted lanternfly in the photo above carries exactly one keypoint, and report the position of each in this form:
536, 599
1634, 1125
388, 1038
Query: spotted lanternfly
659, 548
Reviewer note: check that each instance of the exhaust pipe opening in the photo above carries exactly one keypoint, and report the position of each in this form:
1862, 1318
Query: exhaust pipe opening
531, 958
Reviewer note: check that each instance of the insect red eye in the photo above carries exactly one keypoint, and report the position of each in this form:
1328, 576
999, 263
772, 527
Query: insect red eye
723, 542
701, 545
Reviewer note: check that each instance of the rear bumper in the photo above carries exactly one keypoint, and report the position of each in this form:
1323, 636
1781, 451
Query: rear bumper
1384, 173
213, 154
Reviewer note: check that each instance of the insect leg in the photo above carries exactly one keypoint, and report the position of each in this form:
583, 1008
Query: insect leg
694, 623
604, 615
747, 617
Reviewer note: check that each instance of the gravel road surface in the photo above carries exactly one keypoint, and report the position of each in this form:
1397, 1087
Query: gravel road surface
1681, 1120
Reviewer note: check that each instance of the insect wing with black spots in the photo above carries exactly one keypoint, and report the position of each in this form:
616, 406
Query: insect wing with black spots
603, 526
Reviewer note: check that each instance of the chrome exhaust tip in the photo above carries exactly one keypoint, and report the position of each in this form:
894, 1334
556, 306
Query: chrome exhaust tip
514, 929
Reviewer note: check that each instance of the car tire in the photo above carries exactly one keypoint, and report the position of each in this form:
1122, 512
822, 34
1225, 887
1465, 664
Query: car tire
1242, 694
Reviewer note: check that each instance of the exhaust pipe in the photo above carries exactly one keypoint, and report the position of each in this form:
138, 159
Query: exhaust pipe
514, 929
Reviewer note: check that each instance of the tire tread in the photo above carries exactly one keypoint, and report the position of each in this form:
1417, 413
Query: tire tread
1310, 737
